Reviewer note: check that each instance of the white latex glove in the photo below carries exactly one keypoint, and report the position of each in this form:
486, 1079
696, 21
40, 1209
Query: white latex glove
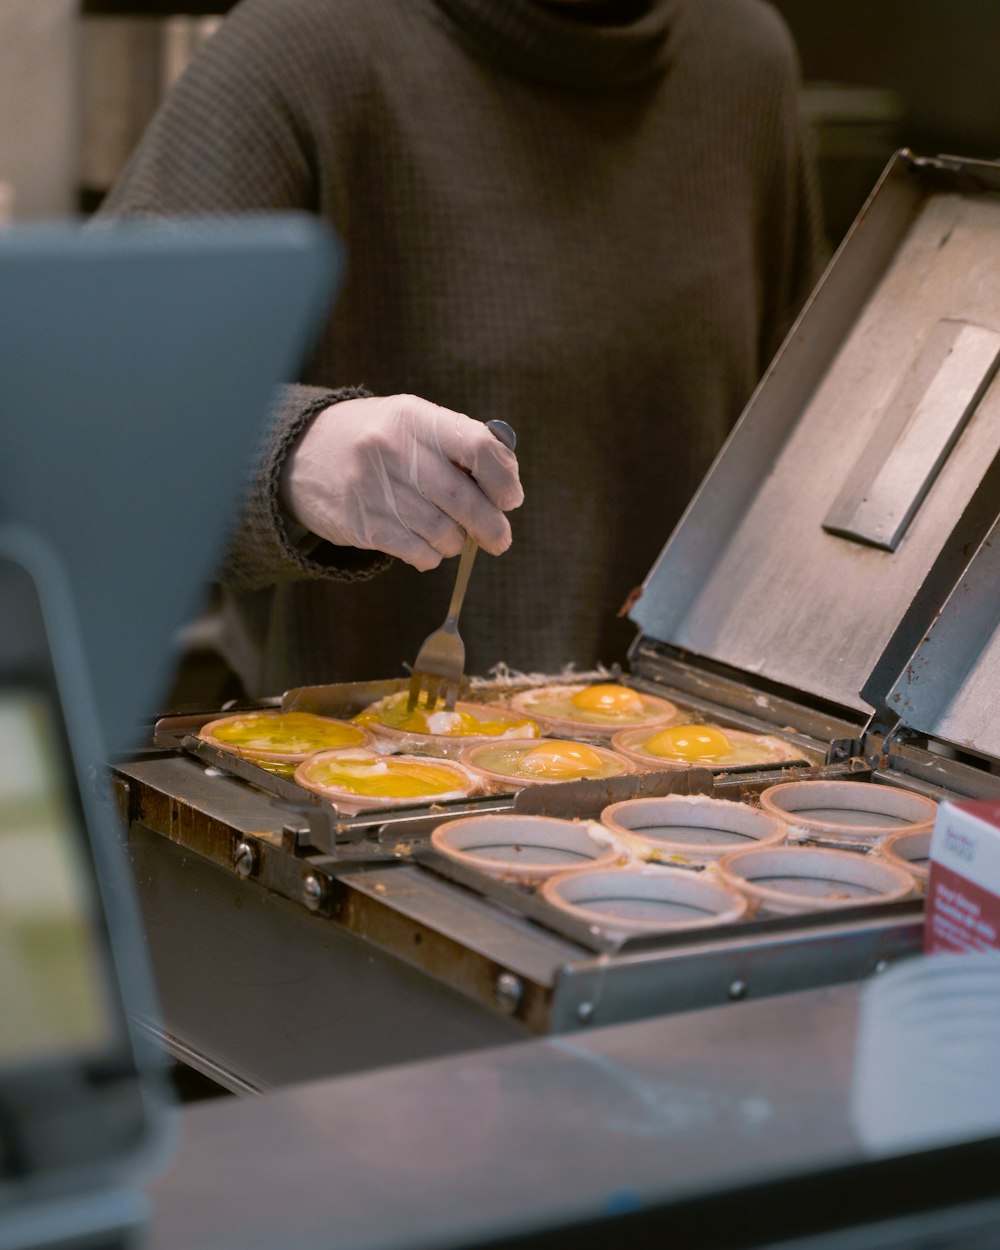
403, 476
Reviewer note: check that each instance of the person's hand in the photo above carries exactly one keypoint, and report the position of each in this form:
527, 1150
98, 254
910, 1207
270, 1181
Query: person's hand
403, 476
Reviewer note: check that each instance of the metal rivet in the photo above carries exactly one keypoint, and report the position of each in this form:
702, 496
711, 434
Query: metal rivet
314, 891
882, 965
737, 990
245, 859
508, 992
585, 1012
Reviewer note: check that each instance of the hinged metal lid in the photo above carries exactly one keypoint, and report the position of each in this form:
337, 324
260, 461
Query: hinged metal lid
853, 485
948, 687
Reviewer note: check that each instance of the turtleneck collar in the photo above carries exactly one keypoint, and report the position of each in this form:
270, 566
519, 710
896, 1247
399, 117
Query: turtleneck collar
539, 42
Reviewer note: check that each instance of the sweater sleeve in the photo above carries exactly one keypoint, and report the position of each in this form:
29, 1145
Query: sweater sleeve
233, 136
262, 550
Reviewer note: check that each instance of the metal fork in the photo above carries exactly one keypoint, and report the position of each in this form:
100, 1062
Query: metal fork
440, 662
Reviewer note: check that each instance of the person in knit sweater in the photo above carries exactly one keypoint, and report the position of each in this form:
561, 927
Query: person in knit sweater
594, 219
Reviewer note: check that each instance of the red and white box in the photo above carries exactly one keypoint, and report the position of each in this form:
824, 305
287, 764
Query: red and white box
963, 887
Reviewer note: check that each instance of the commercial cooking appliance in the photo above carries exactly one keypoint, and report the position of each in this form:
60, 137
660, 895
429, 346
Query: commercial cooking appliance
833, 582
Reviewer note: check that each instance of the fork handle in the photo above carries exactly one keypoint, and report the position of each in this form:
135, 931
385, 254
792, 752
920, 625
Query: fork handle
504, 434
461, 581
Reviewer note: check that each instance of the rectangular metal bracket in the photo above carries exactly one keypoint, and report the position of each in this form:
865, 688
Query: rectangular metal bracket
916, 434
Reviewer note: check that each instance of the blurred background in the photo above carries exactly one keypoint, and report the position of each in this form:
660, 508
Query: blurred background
80, 79
883, 74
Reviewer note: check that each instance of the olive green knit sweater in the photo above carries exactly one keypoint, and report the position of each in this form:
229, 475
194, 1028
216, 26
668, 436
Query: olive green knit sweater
598, 232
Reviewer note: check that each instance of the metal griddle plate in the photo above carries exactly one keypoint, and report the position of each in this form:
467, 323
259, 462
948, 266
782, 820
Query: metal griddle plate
858, 457
346, 699
488, 943
312, 825
311, 829
315, 822
328, 831
373, 877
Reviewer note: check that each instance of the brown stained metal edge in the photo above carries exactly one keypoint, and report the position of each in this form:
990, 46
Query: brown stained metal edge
423, 948
180, 822
439, 956
661, 669
208, 836
746, 787
276, 869
123, 796
912, 768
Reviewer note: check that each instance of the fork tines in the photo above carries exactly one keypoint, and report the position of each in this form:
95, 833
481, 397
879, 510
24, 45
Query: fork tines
440, 664
427, 689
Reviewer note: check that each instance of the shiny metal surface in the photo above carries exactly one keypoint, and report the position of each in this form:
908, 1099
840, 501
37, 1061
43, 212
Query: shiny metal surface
720, 696
431, 1155
722, 1128
258, 991
936, 397
751, 578
950, 686
966, 537
715, 1108
756, 962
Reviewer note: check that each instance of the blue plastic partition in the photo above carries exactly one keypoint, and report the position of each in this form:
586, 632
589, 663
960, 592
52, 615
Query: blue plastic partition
138, 361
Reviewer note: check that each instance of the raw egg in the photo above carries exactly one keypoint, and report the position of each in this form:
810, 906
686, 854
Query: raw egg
440, 732
618, 702
689, 742
361, 778
281, 738
701, 744
564, 760
509, 765
592, 711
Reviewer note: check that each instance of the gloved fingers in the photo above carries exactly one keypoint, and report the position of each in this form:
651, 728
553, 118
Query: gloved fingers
393, 516
400, 487
364, 513
394, 475
459, 497
424, 519
338, 519
407, 546
471, 446
495, 468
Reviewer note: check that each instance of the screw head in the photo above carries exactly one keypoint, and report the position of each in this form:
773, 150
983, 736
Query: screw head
585, 1012
245, 859
508, 992
314, 891
737, 990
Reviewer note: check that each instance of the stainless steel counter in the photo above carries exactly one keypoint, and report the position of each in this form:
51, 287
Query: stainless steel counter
719, 1104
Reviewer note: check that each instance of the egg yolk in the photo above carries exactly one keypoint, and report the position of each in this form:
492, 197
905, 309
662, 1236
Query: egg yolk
689, 742
618, 702
297, 733
386, 778
455, 724
560, 759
